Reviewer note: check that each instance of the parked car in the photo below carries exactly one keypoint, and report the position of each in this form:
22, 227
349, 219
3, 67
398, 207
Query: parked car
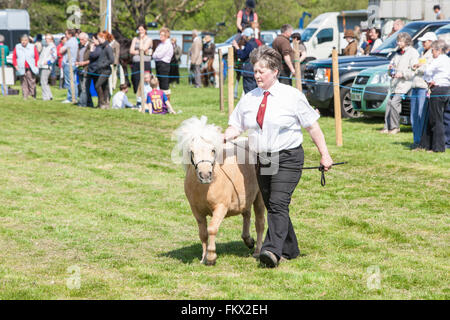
372, 87
319, 86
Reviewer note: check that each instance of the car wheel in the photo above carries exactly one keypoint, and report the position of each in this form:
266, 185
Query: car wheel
347, 110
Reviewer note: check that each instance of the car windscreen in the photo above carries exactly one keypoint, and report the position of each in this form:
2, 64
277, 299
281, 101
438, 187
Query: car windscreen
391, 43
308, 33
443, 30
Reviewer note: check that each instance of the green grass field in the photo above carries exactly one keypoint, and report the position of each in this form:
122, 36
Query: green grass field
93, 208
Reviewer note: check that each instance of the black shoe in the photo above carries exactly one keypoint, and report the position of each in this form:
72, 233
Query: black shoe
268, 259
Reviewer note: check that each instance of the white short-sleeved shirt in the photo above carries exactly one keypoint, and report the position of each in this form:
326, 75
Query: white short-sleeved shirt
287, 111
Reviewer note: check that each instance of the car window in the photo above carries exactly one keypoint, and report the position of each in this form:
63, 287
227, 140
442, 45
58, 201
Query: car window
325, 35
308, 33
443, 30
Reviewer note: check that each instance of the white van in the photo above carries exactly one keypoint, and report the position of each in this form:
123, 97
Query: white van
327, 31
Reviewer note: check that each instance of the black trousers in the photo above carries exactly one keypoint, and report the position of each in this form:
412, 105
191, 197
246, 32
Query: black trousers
434, 136
135, 74
102, 88
285, 74
162, 72
277, 190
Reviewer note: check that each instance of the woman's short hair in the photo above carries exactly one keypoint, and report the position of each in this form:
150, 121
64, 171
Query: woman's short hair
439, 45
49, 35
268, 56
405, 37
25, 36
165, 31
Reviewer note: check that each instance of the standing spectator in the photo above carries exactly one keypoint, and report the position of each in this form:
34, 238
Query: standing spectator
283, 46
3, 61
6, 49
249, 81
374, 40
116, 51
105, 60
175, 62
246, 16
46, 60
38, 43
72, 46
439, 14
419, 100
398, 24
162, 55
142, 41
438, 77
401, 71
257, 31
85, 99
25, 60
352, 47
208, 52
58, 64
195, 54
92, 77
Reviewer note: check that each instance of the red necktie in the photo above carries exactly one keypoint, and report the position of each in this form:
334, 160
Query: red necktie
262, 110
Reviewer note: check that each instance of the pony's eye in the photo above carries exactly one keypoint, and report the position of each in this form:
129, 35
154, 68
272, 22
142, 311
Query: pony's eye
213, 152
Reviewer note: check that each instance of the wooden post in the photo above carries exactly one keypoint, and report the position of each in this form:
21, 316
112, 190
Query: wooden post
5, 90
221, 80
230, 75
72, 83
141, 83
298, 73
337, 99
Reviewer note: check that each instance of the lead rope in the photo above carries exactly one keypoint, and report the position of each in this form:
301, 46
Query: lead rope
321, 168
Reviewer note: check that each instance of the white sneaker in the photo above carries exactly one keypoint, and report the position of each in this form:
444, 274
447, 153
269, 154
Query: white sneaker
66, 101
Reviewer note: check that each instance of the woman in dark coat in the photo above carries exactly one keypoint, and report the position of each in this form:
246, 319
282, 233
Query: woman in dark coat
105, 60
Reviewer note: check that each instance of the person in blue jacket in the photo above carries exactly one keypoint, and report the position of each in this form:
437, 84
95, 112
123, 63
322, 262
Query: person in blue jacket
244, 54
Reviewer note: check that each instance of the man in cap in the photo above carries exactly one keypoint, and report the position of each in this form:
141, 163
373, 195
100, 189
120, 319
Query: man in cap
352, 47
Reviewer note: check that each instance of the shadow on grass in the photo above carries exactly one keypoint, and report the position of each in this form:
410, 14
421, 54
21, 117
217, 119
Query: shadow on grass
193, 252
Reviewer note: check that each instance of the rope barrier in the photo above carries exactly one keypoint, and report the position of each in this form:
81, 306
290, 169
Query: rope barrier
304, 81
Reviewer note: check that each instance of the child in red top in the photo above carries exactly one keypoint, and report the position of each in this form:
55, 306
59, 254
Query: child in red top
159, 102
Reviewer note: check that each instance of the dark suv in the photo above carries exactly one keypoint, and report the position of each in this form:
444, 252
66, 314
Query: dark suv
318, 73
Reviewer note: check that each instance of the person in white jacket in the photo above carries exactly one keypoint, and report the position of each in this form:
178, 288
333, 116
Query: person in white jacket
401, 71
46, 59
419, 100
120, 99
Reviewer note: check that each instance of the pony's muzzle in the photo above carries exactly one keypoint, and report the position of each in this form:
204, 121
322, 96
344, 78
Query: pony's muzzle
205, 177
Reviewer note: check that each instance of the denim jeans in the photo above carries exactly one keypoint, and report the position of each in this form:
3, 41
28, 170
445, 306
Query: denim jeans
85, 99
67, 81
419, 109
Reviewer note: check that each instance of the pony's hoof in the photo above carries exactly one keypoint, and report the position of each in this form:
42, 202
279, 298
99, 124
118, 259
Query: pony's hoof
256, 255
249, 242
210, 262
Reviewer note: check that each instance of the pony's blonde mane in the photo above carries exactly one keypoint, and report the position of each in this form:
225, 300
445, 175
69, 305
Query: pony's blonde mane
196, 128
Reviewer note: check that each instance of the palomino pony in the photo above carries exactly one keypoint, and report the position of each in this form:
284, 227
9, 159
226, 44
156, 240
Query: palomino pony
217, 184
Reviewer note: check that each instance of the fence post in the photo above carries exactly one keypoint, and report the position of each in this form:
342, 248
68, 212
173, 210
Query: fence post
4, 89
298, 73
230, 75
141, 78
221, 80
72, 83
337, 99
